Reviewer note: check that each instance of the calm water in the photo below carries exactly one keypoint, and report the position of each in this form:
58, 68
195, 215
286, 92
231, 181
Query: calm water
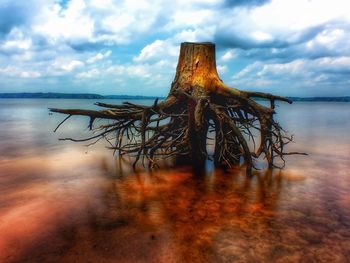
64, 202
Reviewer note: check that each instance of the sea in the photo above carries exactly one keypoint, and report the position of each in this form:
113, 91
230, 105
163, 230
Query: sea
62, 201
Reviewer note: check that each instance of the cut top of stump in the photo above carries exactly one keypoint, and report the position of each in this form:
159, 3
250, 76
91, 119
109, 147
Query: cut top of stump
197, 65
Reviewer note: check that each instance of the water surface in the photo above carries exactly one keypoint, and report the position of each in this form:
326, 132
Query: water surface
64, 202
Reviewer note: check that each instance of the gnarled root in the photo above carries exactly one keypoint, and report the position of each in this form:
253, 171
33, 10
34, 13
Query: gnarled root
178, 126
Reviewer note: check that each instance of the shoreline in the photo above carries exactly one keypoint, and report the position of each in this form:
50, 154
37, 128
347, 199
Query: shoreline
53, 95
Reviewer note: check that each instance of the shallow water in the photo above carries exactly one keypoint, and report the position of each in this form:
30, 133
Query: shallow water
64, 202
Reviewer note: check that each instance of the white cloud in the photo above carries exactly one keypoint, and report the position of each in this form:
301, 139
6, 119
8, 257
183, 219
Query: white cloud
72, 24
11, 71
323, 75
248, 70
290, 68
24, 44
228, 55
280, 22
92, 73
30, 74
141, 70
96, 21
98, 56
261, 36
15, 42
74, 64
305, 67
191, 18
222, 69
157, 50
279, 15
170, 47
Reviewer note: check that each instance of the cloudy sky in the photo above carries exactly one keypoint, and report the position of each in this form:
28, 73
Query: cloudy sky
294, 48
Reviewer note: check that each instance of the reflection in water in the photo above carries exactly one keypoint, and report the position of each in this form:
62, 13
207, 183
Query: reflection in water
62, 205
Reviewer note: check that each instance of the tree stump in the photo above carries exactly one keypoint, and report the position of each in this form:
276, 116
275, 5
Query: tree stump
198, 101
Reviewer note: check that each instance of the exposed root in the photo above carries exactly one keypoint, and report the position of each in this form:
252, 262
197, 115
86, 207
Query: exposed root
168, 129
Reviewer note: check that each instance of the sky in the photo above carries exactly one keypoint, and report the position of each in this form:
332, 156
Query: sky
290, 48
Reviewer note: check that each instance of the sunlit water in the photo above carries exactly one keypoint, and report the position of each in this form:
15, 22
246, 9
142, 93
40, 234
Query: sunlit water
64, 202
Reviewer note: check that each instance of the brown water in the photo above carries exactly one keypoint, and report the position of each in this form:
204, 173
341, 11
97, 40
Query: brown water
62, 202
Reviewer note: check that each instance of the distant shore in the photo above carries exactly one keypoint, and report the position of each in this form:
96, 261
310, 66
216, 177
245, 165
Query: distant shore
53, 95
